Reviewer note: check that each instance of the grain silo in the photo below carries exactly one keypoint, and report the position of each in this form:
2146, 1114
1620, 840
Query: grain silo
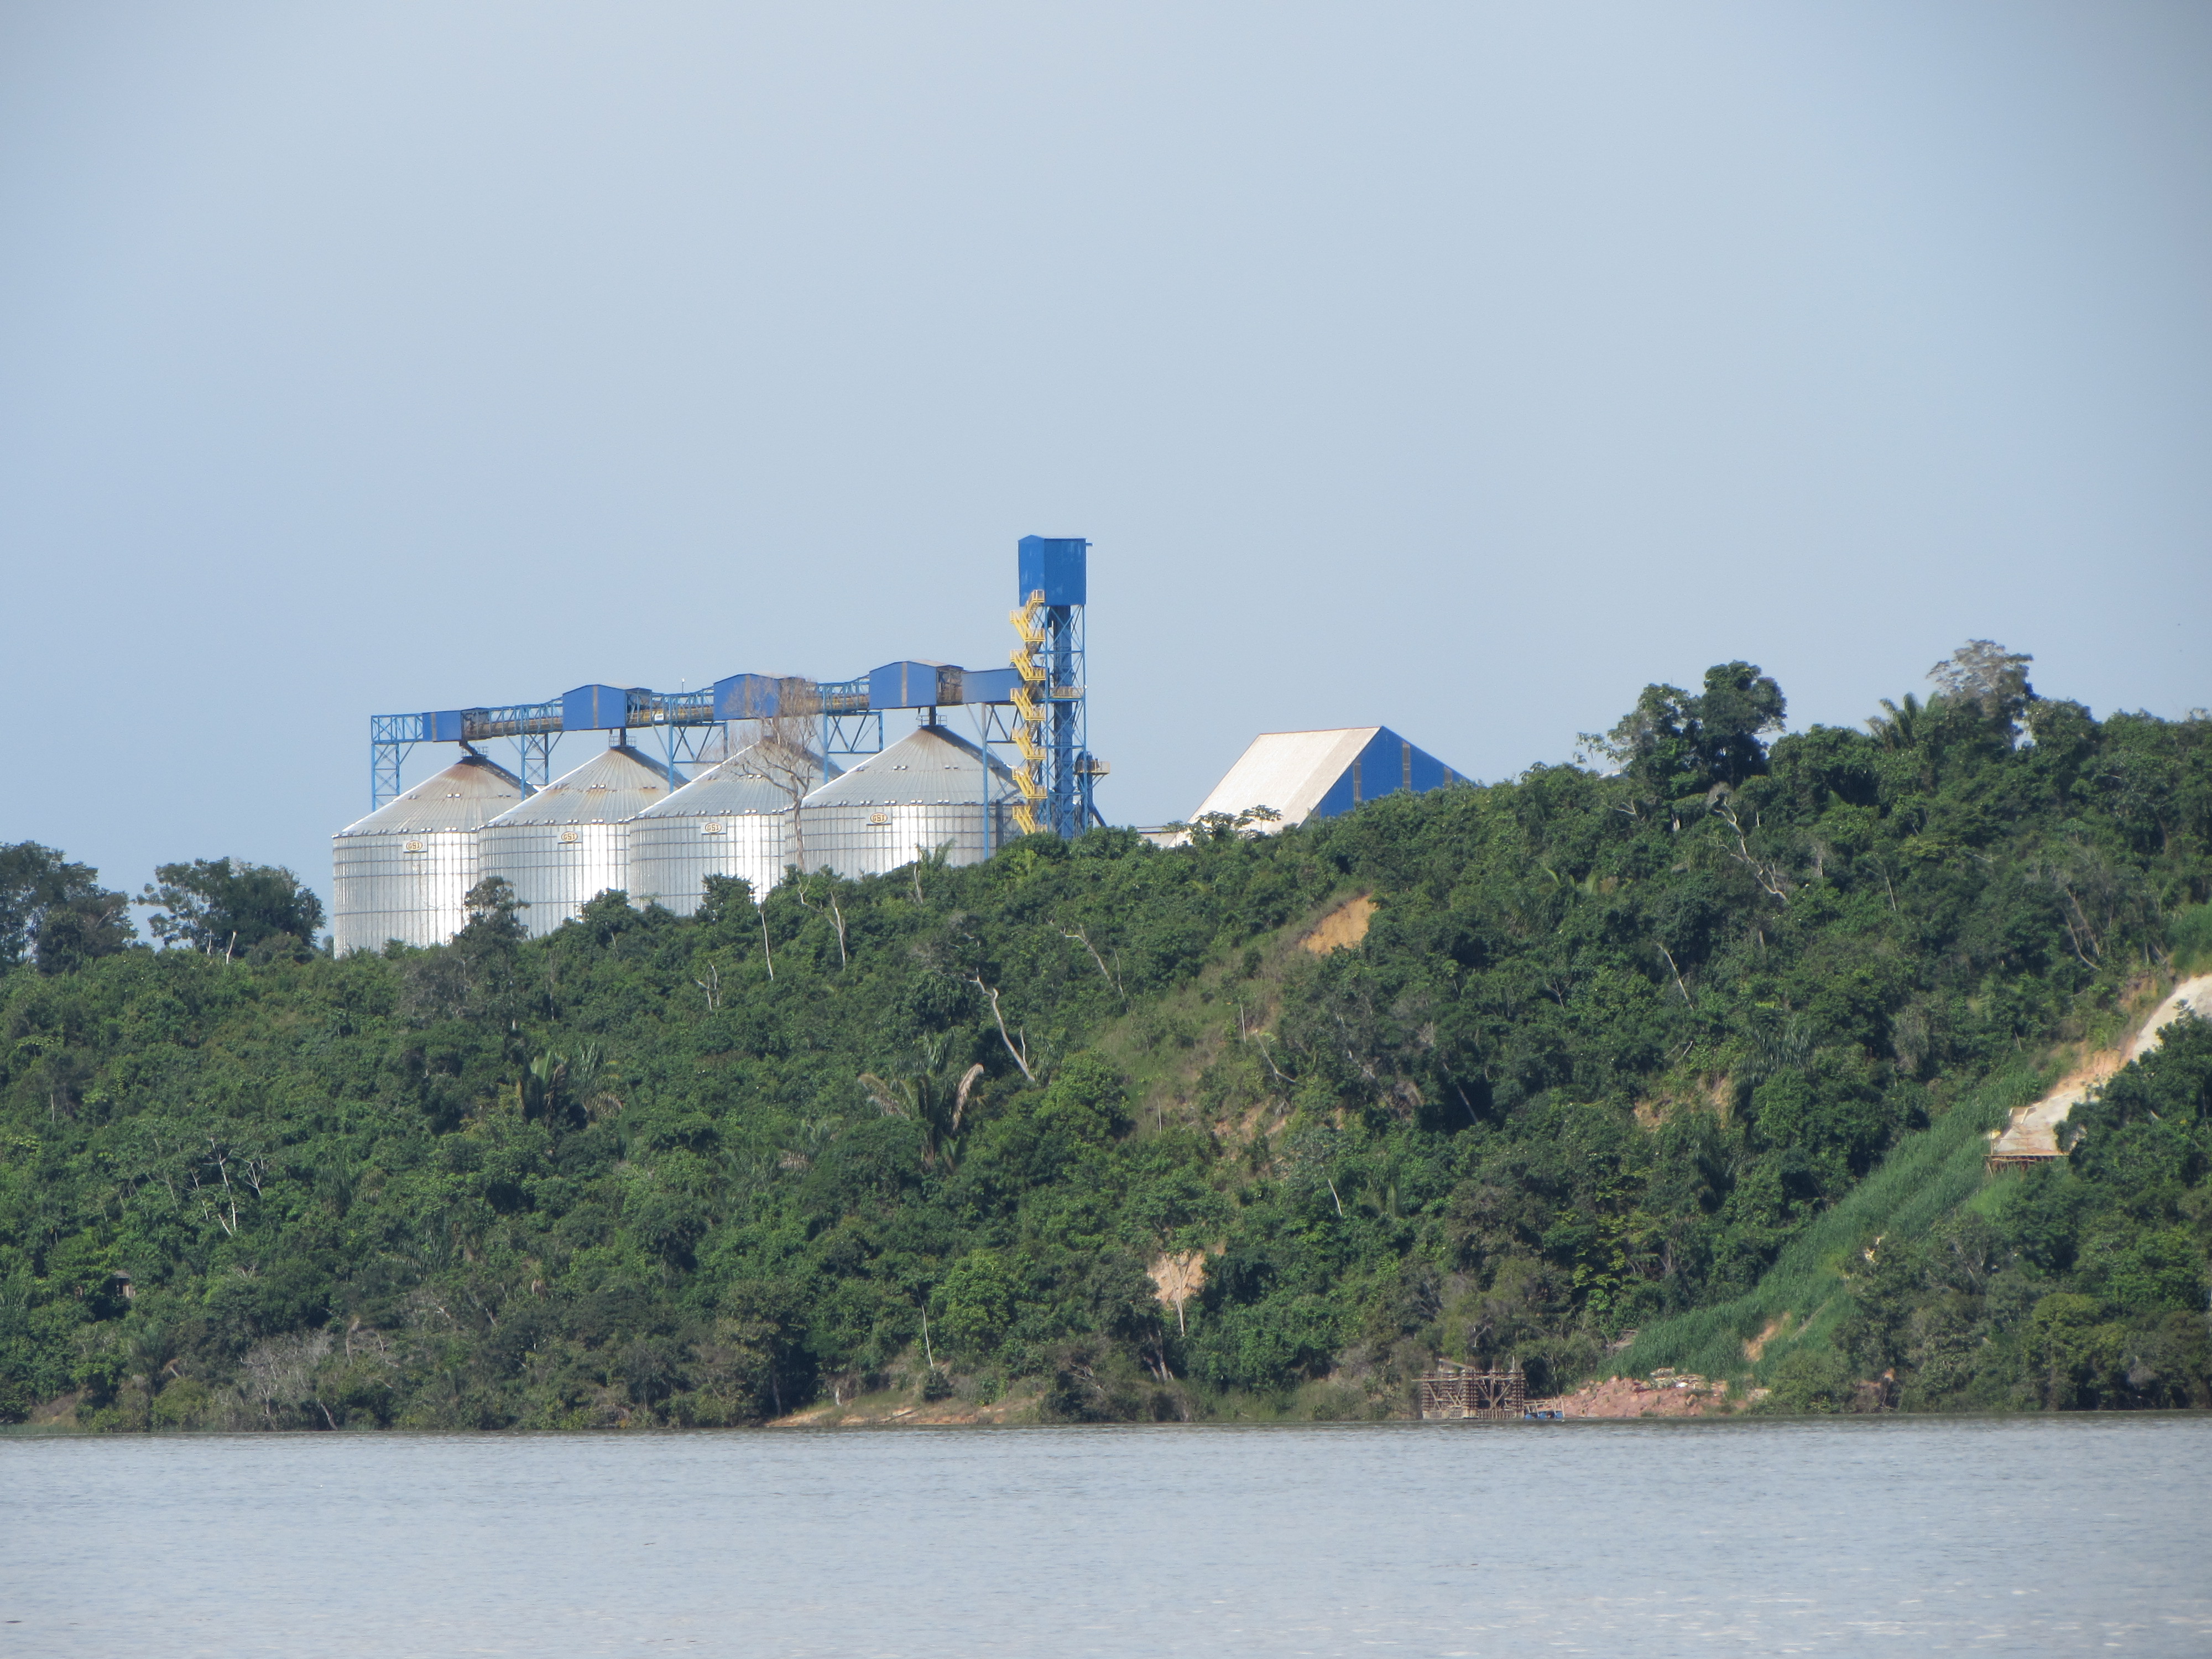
570, 842
402, 872
733, 819
930, 789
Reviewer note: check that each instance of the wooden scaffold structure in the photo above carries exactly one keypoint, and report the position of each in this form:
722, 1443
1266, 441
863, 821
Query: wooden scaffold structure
1454, 1390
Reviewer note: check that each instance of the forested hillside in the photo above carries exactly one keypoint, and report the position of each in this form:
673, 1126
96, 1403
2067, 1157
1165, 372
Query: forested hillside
1610, 1043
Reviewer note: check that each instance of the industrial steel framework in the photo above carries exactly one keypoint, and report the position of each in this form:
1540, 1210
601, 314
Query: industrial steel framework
1037, 709
1454, 1390
850, 728
1057, 775
995, 725
533, 726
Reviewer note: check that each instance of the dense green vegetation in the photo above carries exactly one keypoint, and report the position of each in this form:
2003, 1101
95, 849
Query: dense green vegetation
2081, 1285
1617, 1051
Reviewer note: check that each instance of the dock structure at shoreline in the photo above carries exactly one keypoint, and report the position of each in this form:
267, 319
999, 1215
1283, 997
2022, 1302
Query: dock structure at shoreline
1455, 1391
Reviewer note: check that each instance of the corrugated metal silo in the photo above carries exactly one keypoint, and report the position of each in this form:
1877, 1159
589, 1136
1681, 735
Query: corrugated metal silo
570, 843
402, 872
924, 792
733, 819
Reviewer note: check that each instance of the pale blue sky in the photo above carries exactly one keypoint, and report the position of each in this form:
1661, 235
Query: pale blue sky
1459, 367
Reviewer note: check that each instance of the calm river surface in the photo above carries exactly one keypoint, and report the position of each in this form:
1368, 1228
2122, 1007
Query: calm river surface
2048, 1536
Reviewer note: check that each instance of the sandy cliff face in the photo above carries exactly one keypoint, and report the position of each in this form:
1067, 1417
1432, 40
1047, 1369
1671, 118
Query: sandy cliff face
2033, 1131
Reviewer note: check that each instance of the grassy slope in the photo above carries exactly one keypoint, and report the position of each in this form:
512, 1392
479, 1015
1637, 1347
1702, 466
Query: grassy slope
1926, 1177
1166, 1046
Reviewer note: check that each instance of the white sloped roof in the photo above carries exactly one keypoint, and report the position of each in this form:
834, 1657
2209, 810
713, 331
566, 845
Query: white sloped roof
467, 795
739, 785
1289, 771
614, 784
929, 766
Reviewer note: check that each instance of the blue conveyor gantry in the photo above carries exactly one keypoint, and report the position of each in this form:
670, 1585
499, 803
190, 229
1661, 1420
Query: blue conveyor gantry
850, 713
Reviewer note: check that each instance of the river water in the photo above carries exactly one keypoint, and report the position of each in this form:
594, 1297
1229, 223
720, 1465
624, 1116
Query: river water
1927, 1536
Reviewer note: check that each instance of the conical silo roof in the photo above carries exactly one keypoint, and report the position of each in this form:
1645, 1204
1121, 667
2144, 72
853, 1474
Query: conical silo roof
467, 795
929, 766
614, 784
739, 785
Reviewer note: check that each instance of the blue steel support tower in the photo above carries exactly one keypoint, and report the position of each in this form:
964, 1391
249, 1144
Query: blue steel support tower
1057, 772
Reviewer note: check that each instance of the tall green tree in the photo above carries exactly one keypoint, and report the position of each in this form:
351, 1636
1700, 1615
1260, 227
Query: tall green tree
1674, 745
230, 907
56, 914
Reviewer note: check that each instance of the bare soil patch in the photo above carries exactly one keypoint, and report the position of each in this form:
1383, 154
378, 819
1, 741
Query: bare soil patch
1341, 928
2033, 1130
1664, 1394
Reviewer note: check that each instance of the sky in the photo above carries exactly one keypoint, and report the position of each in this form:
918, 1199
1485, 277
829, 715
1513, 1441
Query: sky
1459, 367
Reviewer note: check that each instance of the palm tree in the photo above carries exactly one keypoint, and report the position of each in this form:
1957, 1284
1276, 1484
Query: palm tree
938, 1106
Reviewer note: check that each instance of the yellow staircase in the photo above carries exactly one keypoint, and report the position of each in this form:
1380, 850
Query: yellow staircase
1028, 713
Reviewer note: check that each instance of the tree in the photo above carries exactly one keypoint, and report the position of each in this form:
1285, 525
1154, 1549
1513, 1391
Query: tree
55, 913
495, 914
938, 1105
1677, 745
1982, 672
726, 899
234, 907
474, 977
975, 1303
785, 751
1898, 725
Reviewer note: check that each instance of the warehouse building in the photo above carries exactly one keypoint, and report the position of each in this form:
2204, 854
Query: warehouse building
1320, 774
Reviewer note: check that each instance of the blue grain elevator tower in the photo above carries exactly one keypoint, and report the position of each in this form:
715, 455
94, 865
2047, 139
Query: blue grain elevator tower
1057, 771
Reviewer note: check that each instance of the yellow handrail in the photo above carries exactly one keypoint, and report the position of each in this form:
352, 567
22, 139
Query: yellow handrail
1029, 712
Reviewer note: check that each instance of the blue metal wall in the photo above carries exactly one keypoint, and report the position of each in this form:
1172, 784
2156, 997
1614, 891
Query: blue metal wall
595, 709
988, 685
916, 684
1055, 563
1388, 764
746, 697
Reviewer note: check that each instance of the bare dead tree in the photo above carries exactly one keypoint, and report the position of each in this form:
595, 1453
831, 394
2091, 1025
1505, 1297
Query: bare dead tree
280, 1370
1249, 1031
784, 751
1021, 1054
1768, 876
1083, 938
836, 918
219, 1161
